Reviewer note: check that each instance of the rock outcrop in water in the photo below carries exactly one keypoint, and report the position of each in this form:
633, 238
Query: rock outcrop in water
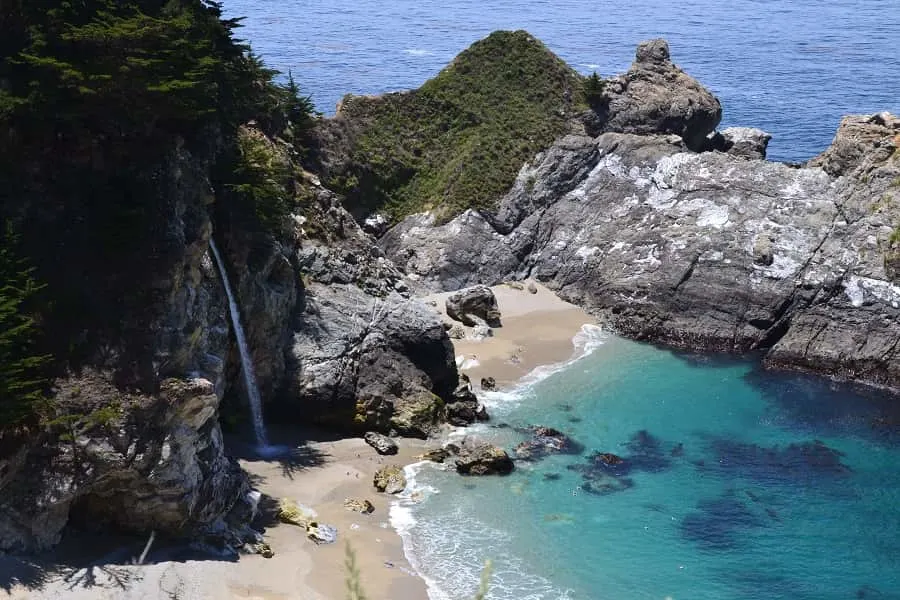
713, 251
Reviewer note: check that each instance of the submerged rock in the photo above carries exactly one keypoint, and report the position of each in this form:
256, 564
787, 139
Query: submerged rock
794, 464
382, 443
545, 441
390, 479
484, 459
719, 523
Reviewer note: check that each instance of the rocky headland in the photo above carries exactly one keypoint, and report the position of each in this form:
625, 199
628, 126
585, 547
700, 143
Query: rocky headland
671, 232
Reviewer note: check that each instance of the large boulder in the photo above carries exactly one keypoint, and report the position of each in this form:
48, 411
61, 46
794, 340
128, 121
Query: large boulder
363, 354
746, 142
382, 443
861, 142
390, 479
474, 306
483, 459
655, 96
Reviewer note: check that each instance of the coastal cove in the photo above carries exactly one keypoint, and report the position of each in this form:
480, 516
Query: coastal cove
556, 321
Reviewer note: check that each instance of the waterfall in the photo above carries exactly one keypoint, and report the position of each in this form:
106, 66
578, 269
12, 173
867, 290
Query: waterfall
259, 427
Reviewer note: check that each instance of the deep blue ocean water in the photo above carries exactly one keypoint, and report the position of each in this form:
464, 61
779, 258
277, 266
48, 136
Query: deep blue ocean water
740, 484
791, 67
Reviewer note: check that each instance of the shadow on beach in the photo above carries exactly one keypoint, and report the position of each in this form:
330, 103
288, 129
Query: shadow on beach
290, 446
105, 563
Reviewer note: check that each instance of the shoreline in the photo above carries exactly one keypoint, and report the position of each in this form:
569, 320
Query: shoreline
322, 471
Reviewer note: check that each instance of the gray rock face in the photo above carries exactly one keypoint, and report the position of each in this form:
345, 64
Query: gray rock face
746, 142
705, 251
483, 459
655, 96
363, 355
152, 460
382, 443
473, 306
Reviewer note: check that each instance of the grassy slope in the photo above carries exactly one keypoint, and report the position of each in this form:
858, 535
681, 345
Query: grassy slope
459, 140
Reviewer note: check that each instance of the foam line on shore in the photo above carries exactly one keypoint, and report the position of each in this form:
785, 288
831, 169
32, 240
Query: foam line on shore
402, 510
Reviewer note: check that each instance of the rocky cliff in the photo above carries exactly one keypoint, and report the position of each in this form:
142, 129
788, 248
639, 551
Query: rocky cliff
113, 204
715, 249
134, 441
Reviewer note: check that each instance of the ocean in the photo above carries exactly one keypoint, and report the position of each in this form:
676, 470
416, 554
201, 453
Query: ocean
791, 67
735, 483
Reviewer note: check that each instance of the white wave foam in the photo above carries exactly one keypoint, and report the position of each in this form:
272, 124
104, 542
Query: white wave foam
463, 363
454, 546
453, 552
418, 52
588, 339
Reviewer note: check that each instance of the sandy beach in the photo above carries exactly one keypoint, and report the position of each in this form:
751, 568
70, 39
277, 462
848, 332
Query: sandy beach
537, 329
320, 472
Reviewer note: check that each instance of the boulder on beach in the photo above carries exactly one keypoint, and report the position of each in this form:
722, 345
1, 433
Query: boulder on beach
473, 306
295, 514
382, 443
361, 506
321, 533
488, 383
390, 479
484, 459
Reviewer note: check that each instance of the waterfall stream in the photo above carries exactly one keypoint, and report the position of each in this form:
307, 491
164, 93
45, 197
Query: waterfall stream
249, 375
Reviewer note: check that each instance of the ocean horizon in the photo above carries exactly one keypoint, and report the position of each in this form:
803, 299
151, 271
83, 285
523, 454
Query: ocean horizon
790, 68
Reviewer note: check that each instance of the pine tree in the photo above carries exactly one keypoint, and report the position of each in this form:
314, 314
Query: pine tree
22, 382
594, 88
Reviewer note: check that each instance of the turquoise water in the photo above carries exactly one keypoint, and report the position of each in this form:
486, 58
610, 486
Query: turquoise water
792, 67
720, 504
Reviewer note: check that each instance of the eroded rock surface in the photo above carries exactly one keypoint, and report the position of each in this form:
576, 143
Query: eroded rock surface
655, 96
706, 251
483, 459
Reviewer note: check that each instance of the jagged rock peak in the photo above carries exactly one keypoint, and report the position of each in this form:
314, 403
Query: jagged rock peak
656, 96
653, 52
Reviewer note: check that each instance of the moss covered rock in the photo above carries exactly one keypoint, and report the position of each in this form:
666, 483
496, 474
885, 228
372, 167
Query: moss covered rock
390, 479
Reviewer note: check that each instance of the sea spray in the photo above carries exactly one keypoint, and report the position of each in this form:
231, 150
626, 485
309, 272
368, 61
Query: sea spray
247, 371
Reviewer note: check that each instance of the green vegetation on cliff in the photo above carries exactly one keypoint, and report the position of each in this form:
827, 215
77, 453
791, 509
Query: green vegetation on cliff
21, 367
115, 118
458, 141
